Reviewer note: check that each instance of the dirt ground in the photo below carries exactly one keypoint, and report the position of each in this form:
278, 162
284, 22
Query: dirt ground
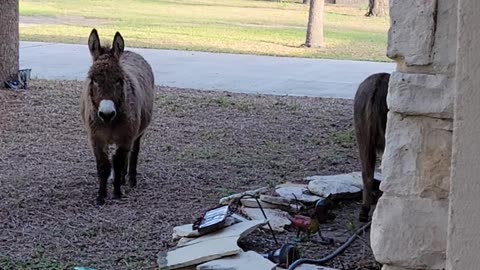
200, 147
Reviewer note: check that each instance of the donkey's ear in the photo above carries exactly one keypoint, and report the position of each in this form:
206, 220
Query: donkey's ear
94, 44
118, 45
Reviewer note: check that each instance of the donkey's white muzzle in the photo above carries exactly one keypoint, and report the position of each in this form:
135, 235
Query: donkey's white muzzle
106, 110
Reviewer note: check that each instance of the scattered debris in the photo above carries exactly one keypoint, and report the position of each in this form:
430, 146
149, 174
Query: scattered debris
213, 220
219, 250
238, 217
275, 200
207, 247
188, 231
24, 76
231, 198
20, 82
285, 255
238, 231
244, 261
252, 203
300, 191
278, 219
184, 231
284, 204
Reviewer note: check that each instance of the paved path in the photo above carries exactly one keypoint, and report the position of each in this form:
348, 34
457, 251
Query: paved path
211, 71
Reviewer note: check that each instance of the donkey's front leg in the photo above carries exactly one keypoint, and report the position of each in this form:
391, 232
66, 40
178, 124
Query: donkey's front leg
119, 167
103, 170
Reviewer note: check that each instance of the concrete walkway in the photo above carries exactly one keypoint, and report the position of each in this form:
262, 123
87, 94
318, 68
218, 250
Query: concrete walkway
211, 71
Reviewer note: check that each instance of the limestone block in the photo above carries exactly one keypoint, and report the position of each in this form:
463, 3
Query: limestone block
278, 219
243, 261
231, 198
275, 200
421, 94
391, 267
444, 50
294, 192
417, 156
410, 232
199, 253
239, 230
339, 186
208, 247
184, 231
412, 31
252, 203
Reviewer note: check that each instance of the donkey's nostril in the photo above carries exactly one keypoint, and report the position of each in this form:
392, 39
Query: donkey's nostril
106, 110
106, 116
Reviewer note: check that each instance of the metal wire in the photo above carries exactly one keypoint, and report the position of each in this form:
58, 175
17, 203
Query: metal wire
264, 215
332, 255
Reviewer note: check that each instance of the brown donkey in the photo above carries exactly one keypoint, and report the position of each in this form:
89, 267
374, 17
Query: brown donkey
116, 108
370, 121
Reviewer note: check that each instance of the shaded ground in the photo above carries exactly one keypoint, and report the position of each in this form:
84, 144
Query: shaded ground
201, 146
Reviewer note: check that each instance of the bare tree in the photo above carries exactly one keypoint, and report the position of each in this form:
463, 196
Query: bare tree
315, 24
9, 40
377, 8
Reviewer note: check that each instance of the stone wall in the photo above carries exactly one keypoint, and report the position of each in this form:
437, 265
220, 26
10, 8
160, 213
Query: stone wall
409, 228
463, 236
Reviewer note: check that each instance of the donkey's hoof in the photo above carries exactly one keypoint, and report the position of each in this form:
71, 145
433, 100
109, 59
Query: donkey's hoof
132, 180
363, 216
376, 196
117, 195
100, 201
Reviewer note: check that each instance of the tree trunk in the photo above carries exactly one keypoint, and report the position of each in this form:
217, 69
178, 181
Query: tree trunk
377, 8
9, 40
315, 24
306, 2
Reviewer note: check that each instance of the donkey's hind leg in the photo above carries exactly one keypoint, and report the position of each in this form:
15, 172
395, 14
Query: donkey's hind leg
367, 160
119, 164
132, 166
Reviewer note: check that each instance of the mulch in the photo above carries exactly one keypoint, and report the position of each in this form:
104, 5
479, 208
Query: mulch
200, 147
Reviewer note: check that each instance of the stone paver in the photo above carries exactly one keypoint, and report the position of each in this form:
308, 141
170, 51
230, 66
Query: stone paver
208, 247
243, 261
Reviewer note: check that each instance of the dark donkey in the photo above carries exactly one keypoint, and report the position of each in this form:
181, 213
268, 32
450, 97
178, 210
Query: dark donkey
370, 120
116, 108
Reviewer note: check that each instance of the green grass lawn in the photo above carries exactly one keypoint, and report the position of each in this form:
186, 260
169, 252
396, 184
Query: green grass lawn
234, 26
